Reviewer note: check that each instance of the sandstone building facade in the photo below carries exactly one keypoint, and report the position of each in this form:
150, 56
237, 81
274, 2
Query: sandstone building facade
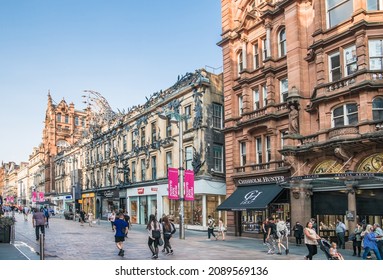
303, 89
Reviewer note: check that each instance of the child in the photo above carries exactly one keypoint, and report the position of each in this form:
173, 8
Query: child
334, 252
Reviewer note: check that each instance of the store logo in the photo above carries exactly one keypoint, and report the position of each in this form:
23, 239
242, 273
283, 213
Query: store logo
250, 197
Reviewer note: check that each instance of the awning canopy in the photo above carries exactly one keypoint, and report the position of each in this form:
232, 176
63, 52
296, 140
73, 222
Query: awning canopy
255, 197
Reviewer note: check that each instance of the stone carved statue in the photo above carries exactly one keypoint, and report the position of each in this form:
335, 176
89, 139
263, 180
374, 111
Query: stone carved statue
294, 120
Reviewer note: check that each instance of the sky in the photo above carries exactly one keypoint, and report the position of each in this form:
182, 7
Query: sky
123, 49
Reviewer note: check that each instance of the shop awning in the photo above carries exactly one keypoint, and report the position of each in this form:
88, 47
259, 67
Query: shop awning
255, 197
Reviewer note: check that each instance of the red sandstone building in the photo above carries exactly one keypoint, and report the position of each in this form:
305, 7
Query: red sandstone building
303, 89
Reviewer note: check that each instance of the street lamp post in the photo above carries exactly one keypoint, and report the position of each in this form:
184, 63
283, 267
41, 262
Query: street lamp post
178, 118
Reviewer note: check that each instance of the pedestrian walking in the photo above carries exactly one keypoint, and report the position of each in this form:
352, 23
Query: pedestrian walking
369, 243
120, 227
154, 231
82, 216
127, 219
26, 211
282, 234
379, 235
38, 222
264, 230
311, 240
169, 229
90, 218
271, 236
357, 239
46, 214
112, 218
210, 227
340, 230
298, 233
221, 229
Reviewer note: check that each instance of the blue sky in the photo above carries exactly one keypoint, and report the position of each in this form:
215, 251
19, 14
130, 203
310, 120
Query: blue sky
123, 49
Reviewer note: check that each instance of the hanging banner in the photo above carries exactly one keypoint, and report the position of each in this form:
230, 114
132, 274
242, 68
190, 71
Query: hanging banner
34, 196
172, 183
189, 185
41, 197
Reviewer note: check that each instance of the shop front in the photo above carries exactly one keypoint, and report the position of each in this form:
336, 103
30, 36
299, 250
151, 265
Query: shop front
143, 201
351, 197
88, 203
252, 204
109, 201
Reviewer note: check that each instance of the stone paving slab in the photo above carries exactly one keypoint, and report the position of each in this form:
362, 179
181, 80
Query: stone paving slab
69, 240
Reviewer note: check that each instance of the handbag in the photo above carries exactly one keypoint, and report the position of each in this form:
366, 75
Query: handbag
156, 234
160, 242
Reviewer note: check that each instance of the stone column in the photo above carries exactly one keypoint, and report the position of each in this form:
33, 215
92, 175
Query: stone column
351, 197
300, 202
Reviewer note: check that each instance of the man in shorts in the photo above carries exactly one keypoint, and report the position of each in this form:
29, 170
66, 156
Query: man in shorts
120, 227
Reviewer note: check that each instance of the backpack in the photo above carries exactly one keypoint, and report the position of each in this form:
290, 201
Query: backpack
46, 213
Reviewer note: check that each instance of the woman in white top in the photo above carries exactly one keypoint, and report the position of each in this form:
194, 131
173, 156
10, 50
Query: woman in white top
112, 218
221, 229
311, 242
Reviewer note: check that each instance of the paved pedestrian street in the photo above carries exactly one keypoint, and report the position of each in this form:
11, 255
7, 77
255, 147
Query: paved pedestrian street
69, 240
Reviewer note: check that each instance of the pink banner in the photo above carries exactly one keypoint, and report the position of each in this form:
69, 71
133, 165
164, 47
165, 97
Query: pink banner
172, 183
41, 197
189, 185
34, 196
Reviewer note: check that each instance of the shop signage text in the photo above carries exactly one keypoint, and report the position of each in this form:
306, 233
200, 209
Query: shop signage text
260, 180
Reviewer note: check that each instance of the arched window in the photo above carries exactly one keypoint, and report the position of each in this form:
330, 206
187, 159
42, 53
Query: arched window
282, 42
346, 114
377, 109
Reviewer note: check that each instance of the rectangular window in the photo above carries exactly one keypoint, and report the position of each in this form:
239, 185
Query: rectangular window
154, 168
334, 66
106, 151
142, 136
217, 115
106, 182
83, 121
134, 176
58, 117
240, 62
283, 134
375, 51
256, 99
143, 170
169, 160
242, 151
154, 132
66, 119
350, 65
284, 88
188, 119
256, 56
268, 149
258, 150
345, 115
168, 127
240, 104
374, 5
133, 139
115, 181
338, 11
218, 158
264, 95
76, 121
124, 143
264, 49
189, 158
